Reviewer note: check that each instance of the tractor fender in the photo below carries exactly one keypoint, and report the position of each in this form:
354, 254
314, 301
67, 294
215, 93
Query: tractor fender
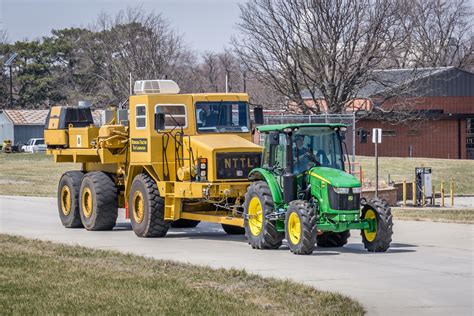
269, 178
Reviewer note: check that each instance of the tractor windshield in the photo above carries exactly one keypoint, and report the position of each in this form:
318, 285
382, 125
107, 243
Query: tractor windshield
222, 117
316, 146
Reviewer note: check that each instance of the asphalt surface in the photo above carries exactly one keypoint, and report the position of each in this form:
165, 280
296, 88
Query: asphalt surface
427, 271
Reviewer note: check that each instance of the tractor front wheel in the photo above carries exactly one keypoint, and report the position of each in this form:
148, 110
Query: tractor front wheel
260, 231
147, 208
300, 224
380, 239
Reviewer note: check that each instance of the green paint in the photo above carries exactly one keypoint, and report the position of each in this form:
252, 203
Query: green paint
263, 174
281, 127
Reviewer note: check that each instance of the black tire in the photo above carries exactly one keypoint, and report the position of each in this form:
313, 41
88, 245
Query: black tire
332, 239
184, 223
152, 223
268, 237
99, 212
233, 230
308, 229
384, 232
68, 199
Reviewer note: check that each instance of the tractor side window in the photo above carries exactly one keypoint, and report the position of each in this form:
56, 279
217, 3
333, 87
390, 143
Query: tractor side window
280, 152
140, 116
175, 115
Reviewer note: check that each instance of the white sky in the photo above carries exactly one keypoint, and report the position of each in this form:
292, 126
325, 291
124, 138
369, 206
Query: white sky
205, 24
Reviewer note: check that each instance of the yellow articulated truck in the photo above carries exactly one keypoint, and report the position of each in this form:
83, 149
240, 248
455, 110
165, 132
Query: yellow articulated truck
170, 159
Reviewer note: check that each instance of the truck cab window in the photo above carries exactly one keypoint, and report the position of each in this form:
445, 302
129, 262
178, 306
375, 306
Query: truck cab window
140, 117
222, 117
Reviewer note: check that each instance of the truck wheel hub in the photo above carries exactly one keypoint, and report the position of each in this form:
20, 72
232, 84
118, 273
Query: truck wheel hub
138, 207
65, 200
87, 202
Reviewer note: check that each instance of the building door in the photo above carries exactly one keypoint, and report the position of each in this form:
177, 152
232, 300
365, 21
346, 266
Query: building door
470, 139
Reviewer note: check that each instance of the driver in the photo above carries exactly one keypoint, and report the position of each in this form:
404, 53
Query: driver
300, 154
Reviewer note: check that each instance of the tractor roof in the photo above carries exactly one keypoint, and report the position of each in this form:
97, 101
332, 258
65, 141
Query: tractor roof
280, 127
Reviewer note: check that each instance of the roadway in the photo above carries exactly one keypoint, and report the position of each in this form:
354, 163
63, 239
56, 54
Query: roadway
428, 270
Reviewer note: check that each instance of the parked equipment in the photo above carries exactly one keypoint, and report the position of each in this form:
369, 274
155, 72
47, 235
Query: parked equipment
301, 192
178, 160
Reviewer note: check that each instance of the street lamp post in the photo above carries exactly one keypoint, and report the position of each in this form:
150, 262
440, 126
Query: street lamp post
9, 63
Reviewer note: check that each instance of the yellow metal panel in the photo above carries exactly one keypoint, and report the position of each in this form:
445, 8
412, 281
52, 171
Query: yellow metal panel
54, 117
228, 220
56, 137
81, 137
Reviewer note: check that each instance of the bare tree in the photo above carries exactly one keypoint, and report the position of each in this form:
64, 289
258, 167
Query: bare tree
3, 36
133, 42
326, 48
441, 33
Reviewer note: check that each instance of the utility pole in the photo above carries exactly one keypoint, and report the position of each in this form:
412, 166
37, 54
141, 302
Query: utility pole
376, 139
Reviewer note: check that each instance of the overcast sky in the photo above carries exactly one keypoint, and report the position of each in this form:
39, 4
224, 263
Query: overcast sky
205, 24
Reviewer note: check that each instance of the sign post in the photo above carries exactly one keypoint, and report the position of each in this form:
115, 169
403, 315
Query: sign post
376, 139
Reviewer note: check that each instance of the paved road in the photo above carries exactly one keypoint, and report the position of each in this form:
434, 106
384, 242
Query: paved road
428, 270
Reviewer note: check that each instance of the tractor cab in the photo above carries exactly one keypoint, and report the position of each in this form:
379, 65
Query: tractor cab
302, 192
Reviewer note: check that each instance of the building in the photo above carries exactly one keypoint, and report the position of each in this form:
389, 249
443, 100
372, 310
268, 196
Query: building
443, 97
21, 125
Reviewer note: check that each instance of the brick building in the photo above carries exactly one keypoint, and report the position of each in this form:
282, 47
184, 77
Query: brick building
446, 96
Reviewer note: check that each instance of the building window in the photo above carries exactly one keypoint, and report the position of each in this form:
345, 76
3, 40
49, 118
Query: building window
140, 116
388, 133
175, 115
413, 132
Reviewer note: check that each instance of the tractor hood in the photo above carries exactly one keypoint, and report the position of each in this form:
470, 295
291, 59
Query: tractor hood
334, 177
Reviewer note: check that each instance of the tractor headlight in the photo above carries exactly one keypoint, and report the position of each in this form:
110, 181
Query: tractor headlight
341, 190
356, 190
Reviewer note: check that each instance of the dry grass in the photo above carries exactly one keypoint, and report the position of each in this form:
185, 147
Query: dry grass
400, 169
31, 174
461, 216
40, 277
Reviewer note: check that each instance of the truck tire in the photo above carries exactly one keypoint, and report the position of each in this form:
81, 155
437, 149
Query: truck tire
300, 227
233, 230
98, 201
260, 231
378, 241
68, 199
332, 239
184, 223
147, 208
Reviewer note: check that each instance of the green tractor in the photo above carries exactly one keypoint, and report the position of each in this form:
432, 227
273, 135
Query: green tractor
303, 194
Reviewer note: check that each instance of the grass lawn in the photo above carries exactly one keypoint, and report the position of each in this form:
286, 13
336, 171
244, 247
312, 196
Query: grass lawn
31, 174
464, 216
40, 277
404, 169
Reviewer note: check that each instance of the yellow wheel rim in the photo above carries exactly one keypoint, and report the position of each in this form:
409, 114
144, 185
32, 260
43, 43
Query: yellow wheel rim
255, 216
65, 197
87, 202
294, 228
138, 207
370, 236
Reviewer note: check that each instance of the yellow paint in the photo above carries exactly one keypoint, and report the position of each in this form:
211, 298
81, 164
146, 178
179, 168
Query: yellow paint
370, 236
404, 193
319, 177
65, 200
255, 213
294, 228
87, 207
138, 207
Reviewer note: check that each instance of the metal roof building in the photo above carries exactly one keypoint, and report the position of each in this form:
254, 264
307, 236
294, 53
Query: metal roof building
21, 125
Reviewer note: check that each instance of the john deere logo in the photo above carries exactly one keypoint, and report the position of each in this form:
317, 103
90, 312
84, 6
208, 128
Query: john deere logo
350, 198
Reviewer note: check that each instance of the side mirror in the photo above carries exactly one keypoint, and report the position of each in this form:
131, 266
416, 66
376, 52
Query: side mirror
274, 138
159, 121
258, 115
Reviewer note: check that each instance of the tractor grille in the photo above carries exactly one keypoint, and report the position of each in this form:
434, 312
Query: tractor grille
349, 201
236, 165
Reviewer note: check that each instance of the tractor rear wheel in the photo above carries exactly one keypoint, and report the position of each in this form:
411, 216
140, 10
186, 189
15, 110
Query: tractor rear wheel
147, 208
380, 239
184, 223
301, 230
233, 230
68, 199
332, 239
98, 201
260, 231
